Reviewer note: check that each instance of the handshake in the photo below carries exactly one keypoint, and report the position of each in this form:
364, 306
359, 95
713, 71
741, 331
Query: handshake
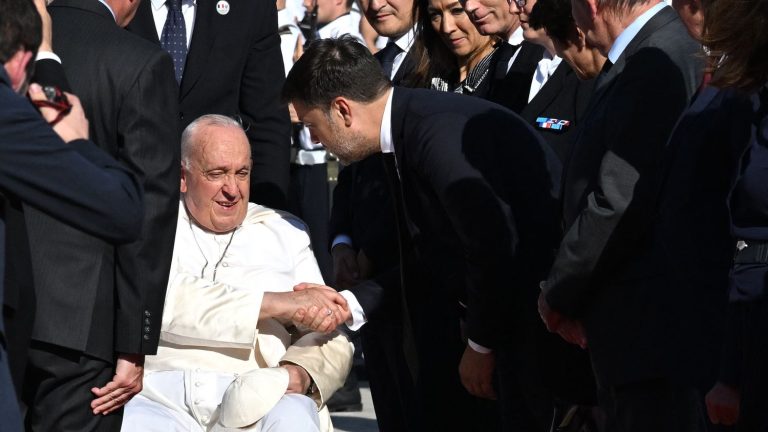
317, 307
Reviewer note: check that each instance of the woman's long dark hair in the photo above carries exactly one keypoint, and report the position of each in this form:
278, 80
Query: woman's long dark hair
736, 33
432, 57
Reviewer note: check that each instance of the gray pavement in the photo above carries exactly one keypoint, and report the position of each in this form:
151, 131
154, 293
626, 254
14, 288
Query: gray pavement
364, 421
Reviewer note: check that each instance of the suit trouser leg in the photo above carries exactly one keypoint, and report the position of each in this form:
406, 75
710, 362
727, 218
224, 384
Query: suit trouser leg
57, 391
526, 406
9, 405
753, 416
309, 199
390, 381
655, 405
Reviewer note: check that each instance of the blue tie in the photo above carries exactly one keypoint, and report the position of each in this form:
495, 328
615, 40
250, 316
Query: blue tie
387, 58
174, 37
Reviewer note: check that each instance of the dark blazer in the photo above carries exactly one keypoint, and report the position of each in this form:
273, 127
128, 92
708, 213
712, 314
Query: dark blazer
234, 67
100, 299
563, 97
479, 212
76, 183
510, 88
607, 272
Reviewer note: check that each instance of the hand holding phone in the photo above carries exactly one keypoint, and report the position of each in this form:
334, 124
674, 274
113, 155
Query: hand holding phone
61, 110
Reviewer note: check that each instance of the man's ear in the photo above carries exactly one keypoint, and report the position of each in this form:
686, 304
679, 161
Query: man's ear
593, 8
183, 186
342, 108
16, 67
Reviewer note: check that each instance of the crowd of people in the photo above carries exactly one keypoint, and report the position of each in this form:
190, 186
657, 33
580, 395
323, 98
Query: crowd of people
551, 216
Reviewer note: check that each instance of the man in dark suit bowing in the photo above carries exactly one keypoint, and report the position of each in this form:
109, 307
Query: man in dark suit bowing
476, 200
608, 288
227, 60
98, 308
363, 230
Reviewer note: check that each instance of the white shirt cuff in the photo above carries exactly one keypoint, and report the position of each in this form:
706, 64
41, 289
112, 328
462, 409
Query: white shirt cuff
358, 316
341, 238
47, 55
479, 348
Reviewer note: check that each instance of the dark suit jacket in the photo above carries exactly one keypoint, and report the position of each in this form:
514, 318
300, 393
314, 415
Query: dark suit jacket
563, 97
101, 299
606, 273
510, 88
75, 183
479, 209
234, 67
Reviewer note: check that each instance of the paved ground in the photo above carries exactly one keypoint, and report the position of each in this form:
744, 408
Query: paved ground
364, 421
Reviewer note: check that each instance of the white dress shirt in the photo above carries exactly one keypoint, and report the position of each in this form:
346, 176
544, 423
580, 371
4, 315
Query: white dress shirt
160, 14
515, 39
546, 67
405, 42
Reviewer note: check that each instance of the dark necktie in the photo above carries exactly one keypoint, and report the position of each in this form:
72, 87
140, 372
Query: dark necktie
387, 57
174, 37
396, 190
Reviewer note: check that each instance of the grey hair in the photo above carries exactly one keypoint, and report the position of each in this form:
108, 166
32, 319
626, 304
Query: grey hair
187, 137
621, 5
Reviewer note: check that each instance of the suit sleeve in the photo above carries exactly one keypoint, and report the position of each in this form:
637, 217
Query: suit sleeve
341, 212
50, 72
148, 131
76, 183
269, 128
638, 116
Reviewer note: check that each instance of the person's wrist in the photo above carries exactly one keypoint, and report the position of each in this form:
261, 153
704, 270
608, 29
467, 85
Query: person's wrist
342, 247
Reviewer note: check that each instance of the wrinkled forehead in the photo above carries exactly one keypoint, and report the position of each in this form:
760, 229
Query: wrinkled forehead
222, 145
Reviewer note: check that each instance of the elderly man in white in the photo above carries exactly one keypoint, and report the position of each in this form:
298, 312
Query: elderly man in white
229, 357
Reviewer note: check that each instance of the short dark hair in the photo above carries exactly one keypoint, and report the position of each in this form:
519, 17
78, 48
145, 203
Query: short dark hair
555, 17
335, 67
20, 28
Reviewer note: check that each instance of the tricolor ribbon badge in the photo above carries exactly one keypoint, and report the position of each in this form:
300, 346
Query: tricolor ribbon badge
552, 123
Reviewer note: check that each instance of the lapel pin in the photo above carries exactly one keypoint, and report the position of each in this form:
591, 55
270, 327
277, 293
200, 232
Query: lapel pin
222, 7
552, 123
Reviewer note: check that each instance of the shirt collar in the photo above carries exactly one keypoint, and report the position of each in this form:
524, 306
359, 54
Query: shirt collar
405, 42
385, 136
516, 38
157, 4
109, 9
629, 33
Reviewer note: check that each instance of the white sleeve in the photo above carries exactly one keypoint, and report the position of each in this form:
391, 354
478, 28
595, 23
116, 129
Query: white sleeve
358, 315
214, 314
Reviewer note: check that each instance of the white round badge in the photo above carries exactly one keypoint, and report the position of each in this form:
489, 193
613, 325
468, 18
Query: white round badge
222, 7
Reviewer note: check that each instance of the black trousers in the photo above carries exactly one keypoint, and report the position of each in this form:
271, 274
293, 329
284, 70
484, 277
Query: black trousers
655, 405
753, 326
57, 391
391, 383
309, 199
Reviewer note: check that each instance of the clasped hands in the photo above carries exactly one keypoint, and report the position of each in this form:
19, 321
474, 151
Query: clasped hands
317, 307
570, 330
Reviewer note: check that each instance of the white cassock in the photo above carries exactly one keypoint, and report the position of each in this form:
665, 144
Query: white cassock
212, 340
